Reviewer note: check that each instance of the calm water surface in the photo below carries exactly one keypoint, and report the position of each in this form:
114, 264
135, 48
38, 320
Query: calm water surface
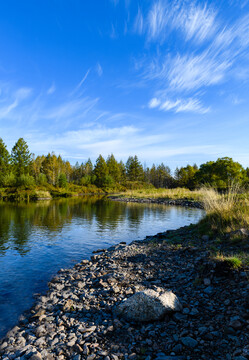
38, 239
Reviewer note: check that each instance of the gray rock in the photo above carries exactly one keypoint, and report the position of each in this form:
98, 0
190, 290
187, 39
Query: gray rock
189, 342
177, 348
36, 356
148, 305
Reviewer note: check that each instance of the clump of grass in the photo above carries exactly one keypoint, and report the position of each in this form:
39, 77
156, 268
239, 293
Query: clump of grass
231, 262
224, 212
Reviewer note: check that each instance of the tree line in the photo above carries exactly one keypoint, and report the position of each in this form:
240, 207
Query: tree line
21, 168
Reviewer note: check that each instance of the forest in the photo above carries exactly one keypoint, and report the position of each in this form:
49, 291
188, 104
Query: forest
22, 169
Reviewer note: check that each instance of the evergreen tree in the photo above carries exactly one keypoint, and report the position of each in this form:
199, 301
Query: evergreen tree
21, 157
51, 168
186, 176
100, 171
62, 180
113, 168
4, 159
134, 169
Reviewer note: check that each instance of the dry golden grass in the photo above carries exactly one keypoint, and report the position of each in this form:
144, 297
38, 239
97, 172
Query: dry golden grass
226, 212
169, 194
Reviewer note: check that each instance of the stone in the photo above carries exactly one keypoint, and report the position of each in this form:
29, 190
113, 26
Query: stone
189, 342
177, 348
207, 281
68, 305
236, 324
148, 305
36, 356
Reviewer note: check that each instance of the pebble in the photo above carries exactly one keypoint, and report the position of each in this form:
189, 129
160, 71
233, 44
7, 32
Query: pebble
76, 320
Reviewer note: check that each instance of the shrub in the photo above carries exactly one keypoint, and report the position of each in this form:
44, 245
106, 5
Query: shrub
25, 180
62, 180
41, 179
8, 180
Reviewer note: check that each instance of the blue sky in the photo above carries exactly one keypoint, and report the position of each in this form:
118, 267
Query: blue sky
166, 80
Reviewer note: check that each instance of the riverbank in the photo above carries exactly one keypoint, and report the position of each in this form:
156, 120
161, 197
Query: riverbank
76, 319
36, 194
159, 200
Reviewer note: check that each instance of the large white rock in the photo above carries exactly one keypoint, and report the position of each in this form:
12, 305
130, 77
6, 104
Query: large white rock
148, 305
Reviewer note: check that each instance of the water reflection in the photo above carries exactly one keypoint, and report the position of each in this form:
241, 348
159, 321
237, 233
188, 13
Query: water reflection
37, 239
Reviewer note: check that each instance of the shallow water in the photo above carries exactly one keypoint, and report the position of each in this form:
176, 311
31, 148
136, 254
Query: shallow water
38, 239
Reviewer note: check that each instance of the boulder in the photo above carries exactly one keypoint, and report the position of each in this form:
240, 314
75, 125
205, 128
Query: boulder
148, 305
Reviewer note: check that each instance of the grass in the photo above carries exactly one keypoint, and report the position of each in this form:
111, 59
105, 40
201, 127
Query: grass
167, 194
232, 262
225, 213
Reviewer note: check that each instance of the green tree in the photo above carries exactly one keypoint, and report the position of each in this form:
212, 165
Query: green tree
51, 168
100, 171
221, 173
114, 169
134, 169
62, 180
4, 160
185, 176
21, 157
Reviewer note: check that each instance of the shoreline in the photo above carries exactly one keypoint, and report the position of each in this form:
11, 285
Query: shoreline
160, 201
76, 318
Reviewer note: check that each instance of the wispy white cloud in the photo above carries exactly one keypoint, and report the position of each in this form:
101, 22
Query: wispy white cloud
187, 72
139, 23
157, 20
179, 105
11, 100
71, 110
51, 89
106, 140
80, 83
193, 72
113, 33
154, 102
195, 21
99, 69
216, 47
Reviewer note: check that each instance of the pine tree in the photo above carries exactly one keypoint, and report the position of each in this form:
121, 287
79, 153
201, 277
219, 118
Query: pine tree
100, 171
134, 169
113, 168
21, 157
4, 159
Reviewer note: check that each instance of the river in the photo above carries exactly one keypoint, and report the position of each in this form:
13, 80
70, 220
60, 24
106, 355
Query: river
38, 239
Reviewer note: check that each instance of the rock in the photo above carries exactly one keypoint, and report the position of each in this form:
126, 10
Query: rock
148, 305
68, 305
36, 356
208, 290
189, 342
207, 282
236, 324
177, 348
205, 237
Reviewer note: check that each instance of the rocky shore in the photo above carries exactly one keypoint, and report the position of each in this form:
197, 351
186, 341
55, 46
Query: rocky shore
174, 202
80, 316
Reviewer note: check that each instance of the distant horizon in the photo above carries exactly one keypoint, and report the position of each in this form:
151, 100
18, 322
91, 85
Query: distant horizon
168, 82
145, 164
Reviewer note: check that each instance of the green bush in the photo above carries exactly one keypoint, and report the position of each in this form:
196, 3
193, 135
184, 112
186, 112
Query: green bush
8, 180
41, 179
26, 181
62, 180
